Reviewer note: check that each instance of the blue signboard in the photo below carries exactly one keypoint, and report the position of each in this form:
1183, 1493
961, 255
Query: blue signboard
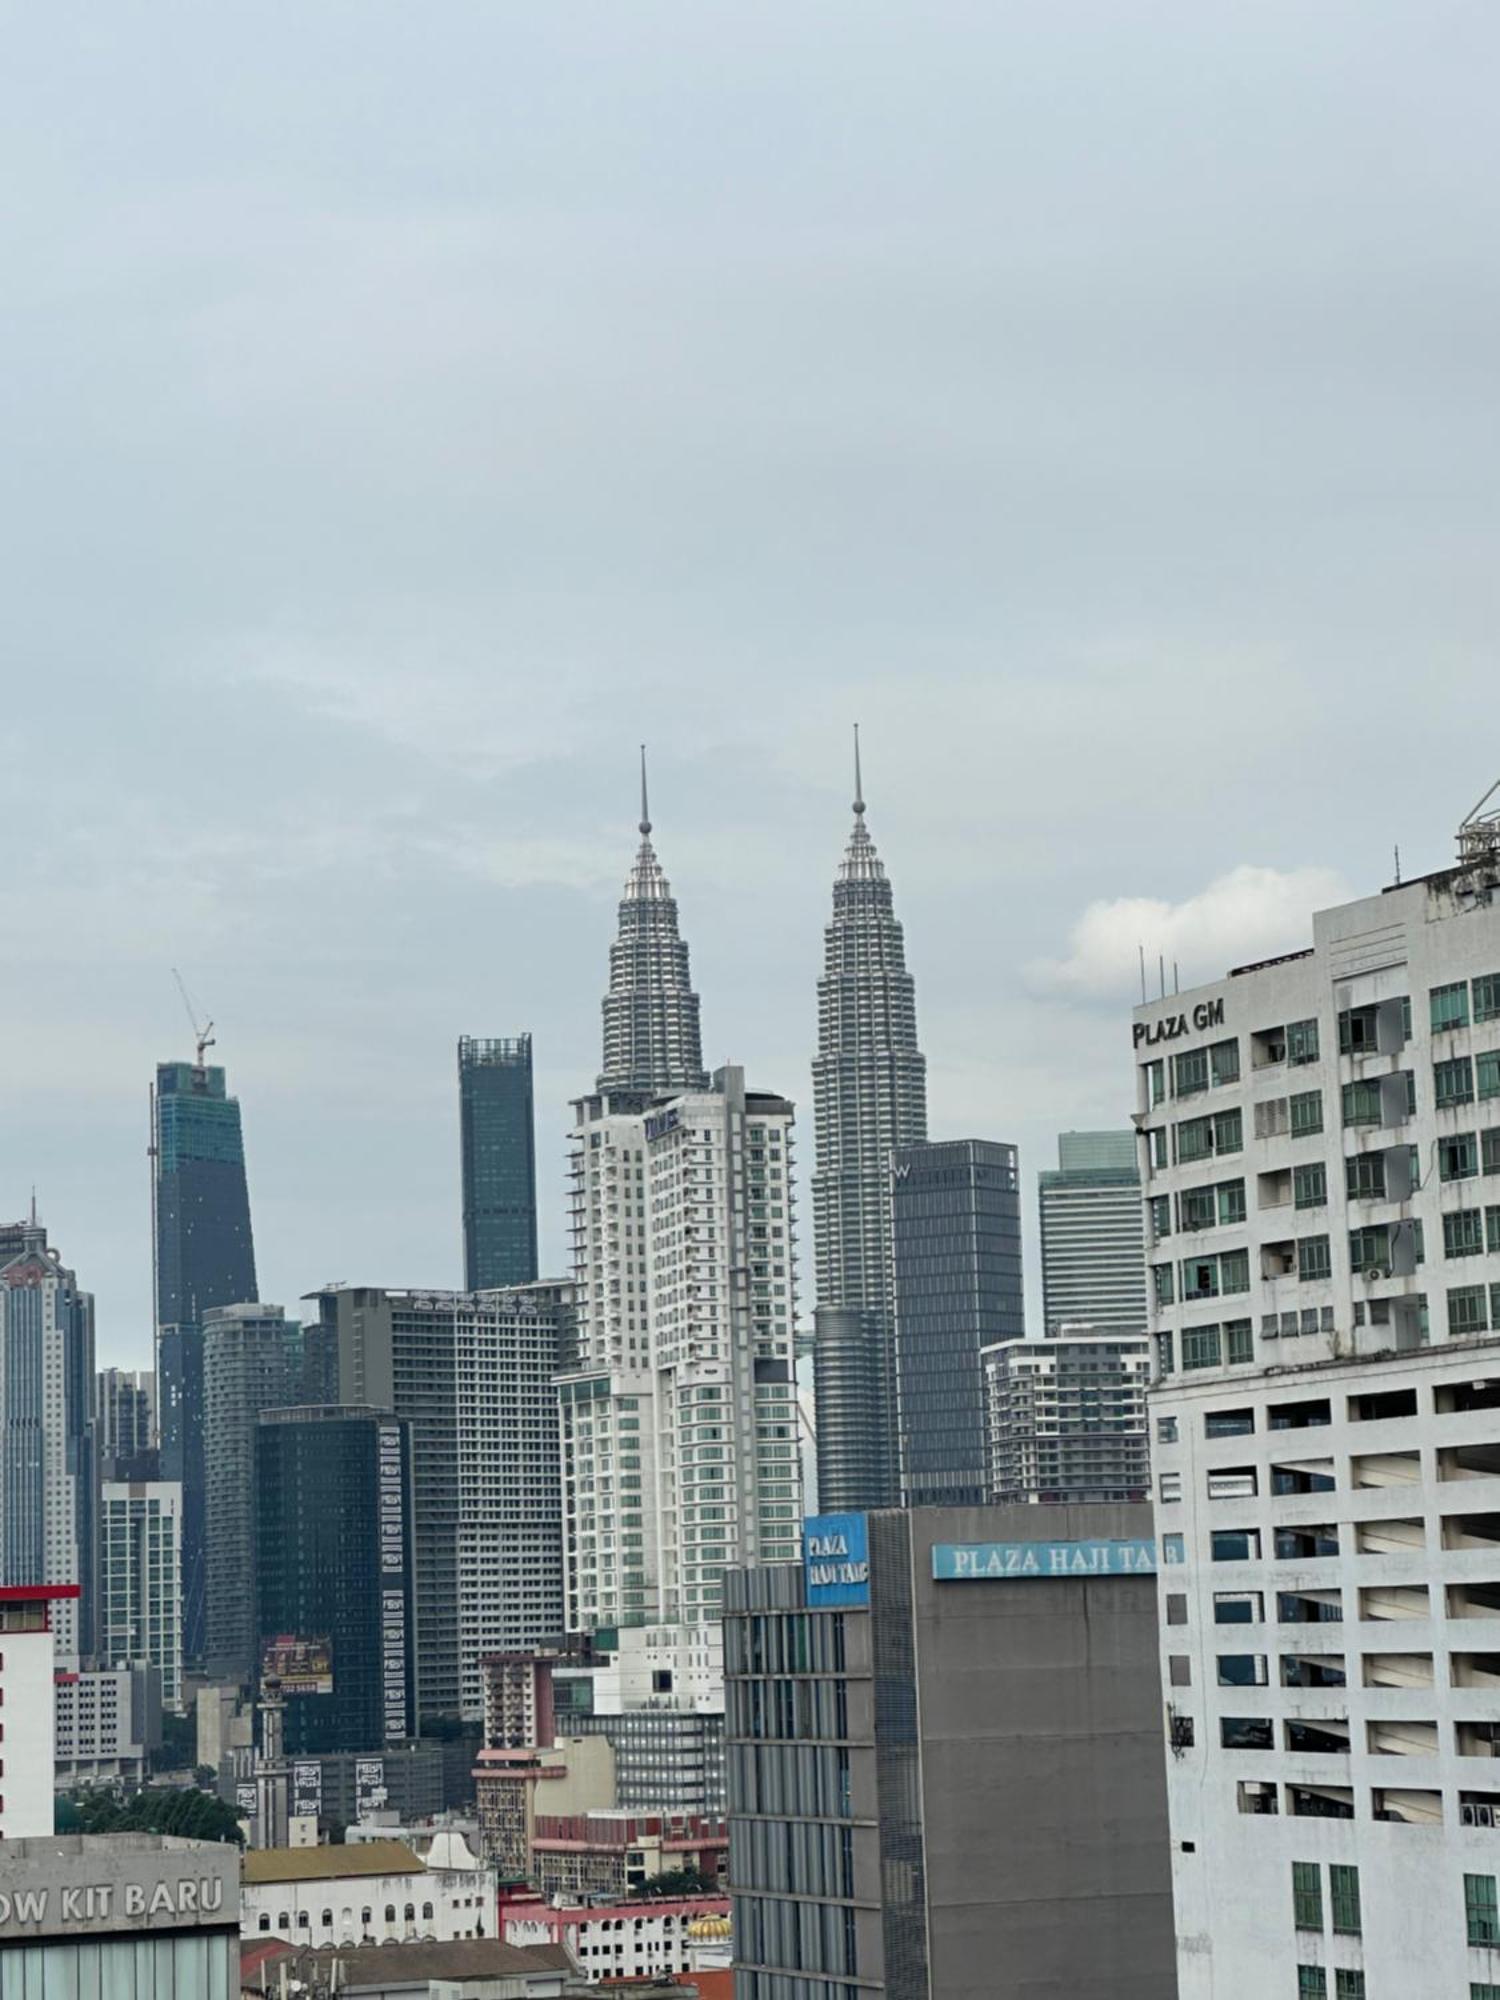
983, 1562
836, 1559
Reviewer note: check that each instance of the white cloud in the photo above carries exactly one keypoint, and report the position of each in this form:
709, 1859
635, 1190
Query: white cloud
1247, 914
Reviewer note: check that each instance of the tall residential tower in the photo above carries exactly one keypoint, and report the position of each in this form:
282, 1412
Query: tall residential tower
869, 1097
498, 1137
1093, 1259
205, 1257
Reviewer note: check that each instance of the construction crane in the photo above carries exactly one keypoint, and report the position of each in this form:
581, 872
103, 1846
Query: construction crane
205, 1034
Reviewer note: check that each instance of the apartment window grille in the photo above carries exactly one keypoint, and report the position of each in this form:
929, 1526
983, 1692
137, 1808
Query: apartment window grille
1302, 1041
1306, 1113
1307, 1896
1314, 1258
1310, 1185
1224, 1062
1468, 1309
1453, 1082
1463, 1233
1343, 1897
1312, 1983
1487, 997
1481, 1909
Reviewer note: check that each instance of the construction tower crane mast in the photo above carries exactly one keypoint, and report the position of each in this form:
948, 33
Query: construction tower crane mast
203, 1035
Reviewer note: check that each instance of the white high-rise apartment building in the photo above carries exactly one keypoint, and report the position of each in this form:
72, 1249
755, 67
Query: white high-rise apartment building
680, 1450
1321, 1147
140, 1580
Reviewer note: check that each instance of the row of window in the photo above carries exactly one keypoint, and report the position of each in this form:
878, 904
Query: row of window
1451, 1004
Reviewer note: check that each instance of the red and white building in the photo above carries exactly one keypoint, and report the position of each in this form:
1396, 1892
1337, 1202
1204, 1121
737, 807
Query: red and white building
28, 1728
630, 1940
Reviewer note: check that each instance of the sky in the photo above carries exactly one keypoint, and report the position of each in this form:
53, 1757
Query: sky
409, 410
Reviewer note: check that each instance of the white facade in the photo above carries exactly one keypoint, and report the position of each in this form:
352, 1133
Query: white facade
658, 1666
374, 1892
1066, 1418
1321, 1152
27, 1714
102, 1719
140, 1580
679, 1429
618, 1941
1090, 1212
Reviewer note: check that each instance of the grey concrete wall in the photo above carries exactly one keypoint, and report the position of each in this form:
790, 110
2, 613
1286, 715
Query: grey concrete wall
1047, 1850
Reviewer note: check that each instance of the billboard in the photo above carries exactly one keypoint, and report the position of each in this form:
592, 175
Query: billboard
836, 1559
303, 1666
986, 1562
370, 1793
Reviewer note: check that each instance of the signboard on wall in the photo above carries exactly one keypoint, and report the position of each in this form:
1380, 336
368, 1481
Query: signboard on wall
987, 1562
303, 1666
836, 1559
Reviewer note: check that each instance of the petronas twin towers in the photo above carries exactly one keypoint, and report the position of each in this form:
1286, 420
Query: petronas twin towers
869, 1097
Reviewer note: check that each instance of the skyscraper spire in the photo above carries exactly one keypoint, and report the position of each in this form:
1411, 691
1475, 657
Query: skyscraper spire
869, 1096
652, 1040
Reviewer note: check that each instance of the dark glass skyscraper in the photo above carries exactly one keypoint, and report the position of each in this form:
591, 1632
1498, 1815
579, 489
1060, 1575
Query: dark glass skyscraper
498, 1137
869, 1096
205, 1257
956, 1264
333, 1574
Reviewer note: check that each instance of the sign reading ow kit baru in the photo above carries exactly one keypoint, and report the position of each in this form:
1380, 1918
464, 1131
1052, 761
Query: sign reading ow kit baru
984, 1562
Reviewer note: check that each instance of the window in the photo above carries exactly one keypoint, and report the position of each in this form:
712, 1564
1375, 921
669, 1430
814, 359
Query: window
1200, 1347
1166, 1430
1161, 1216
1450, 1006
1362, 1103
1242, 1670
1246, 1732
1453, 1082
1492, 1225
1173, 1550
1312, 1983
1487, 997
1163, 1356
1491, 1140
1196, 1208
1306, 1113
1302, 1041
1235, 1545
1229, 1132
1232, 1482
1307, 1896
1310, 1185
1481, 1912
1190, 1073
1314, 1259
1224, 1062
1364, 1176
1238, 1607
1158, 1137
1229, 1423
1170, 1484
1234, 1271
1195, 1139
1343, 1898
1239, 1343
1458, 1157
1463, 1233
1156, 1080
1348, 1984
1487, 1073
1161, 1278
1231, 1201
1468, 1309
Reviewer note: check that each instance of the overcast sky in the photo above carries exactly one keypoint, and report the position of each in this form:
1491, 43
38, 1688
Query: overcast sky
407, 409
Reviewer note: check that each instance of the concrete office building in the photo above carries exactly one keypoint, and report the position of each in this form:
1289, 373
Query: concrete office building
473, 1373
657, 1694
497, 1131
204, 1257
120, 1914
945, 1760
47, 1471
1093, 1257
140, 1581
334, 1574
108, 1722
869, 1097
28, 1664
1321, 1135
254, 1359
1067, 1418
956, 1288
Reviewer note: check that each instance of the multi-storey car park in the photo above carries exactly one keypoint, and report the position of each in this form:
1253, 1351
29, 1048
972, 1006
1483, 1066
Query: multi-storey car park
1320, 1140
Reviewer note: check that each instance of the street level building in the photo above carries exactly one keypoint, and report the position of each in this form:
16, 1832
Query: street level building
497, 1130
616, 1942
47, 1471
1321, 1138
140, 1581
28, 1664
127, 1914
335, 1614
372, 1892
956, 1276
205, 1257
869, 1098
472, 1372
1067, 1418
945, 1760
1093, 1262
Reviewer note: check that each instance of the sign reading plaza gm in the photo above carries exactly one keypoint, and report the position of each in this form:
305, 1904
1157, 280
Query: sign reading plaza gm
836, 1559
982, 1562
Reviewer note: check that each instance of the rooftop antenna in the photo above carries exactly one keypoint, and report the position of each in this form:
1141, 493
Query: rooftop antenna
859, 783
1161, 973
1398, 864
205, 1034
1142, 950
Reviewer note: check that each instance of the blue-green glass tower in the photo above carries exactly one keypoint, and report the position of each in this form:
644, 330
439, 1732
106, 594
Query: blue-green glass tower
205, 1257
498, 1134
